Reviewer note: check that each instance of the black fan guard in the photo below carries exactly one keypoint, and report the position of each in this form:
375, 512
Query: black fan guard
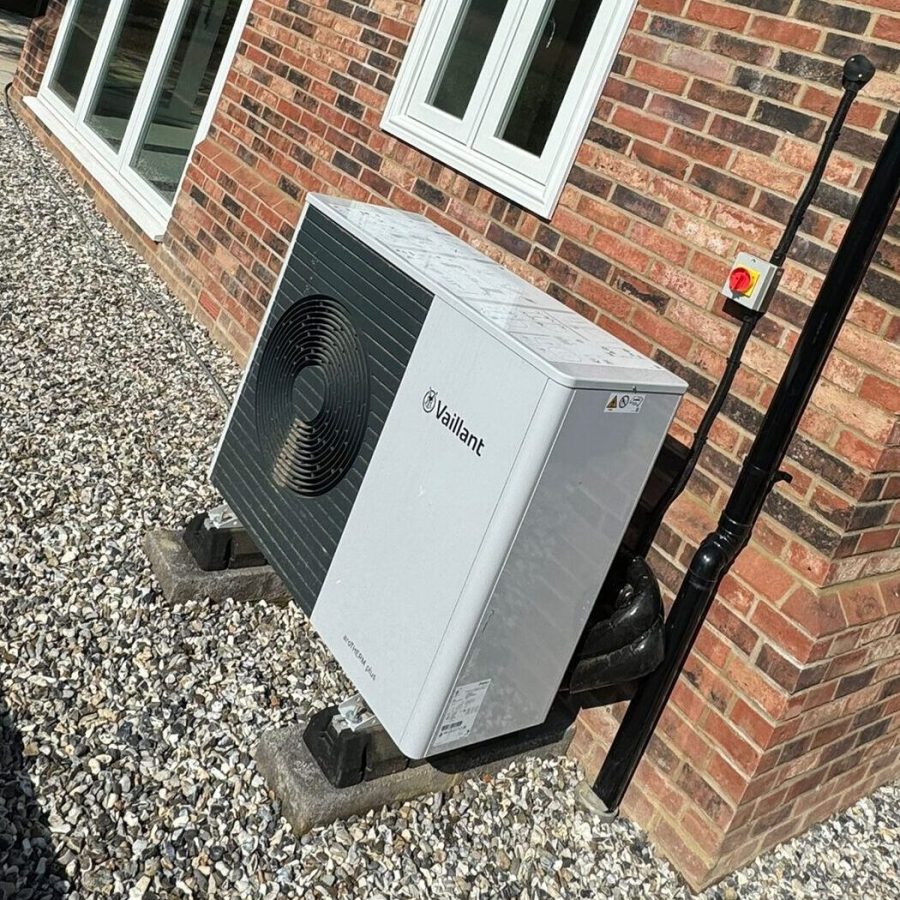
311, 432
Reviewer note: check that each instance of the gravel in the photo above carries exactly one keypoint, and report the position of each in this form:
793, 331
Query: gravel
127, 724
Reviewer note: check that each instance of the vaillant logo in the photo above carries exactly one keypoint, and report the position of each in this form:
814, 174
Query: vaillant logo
452, 421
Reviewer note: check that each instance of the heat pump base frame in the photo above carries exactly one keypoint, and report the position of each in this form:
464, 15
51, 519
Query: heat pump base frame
308, 800
352, 750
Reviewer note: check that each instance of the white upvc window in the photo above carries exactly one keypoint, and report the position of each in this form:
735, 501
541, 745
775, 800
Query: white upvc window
504, 90
130, 88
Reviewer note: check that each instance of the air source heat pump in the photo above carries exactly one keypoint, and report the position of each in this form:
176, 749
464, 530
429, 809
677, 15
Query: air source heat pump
440, 461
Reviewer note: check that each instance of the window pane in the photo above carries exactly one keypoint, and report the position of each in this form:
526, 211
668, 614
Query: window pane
547, 74
461, 66
187, 80
125, 69
78, 49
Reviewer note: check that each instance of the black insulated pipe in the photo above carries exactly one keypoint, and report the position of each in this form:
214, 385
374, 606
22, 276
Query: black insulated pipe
760, 471
857, 73
701, 435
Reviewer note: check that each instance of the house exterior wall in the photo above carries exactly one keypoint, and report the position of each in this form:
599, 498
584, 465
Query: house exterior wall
789, 706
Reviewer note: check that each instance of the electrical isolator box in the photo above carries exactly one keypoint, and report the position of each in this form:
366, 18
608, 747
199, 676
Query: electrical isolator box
751, 281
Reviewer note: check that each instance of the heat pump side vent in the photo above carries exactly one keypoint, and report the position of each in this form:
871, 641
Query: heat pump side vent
292, 488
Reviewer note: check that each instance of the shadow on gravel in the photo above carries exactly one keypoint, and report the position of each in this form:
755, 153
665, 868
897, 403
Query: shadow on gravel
29, 869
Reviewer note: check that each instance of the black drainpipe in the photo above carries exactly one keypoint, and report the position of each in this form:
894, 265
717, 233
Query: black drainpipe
759, 473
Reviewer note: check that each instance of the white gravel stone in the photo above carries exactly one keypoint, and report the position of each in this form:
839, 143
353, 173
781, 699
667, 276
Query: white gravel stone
127, 724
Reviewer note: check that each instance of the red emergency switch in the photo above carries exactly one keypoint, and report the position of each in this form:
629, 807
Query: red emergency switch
741, 281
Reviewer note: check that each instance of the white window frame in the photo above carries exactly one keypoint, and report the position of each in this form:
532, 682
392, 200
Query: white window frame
149, 210
469, 145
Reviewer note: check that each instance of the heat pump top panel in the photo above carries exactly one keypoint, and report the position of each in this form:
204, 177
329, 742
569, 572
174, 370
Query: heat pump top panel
561, 343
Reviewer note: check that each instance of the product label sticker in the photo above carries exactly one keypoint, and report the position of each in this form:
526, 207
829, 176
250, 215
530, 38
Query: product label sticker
461, 712
624, 403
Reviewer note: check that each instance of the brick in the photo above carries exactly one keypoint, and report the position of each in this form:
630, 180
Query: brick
783, 632
655, 156
850, 684
717, 97
780, 7
887, 29
883, 287
808, 68
659, 77
763, 574
707, 65
676, 31
678, 111
861, 605
784, 118
780, 669
659, 243
726, 776
664, 6
698, 147
786, 33
861, 452
715, 14
557, 270
798, 520
741, 49
744, 224
732, 743
508, 241
746, 678
721, 185
833, 15
828, 466
639, 205
585, 260
743, 135
752, 723
732, 627
841, 46
607, 137
765, 85
690, 864
707, 682
859, 144
766, 173
882, 539
868, 515
634, 122
624, 92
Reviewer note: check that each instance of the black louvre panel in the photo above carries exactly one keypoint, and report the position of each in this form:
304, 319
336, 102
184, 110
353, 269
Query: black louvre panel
325, 373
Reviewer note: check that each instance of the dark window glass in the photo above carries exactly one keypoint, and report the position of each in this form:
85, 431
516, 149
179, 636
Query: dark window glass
125, 68
548, 73
462, 64
76, 54
186, 83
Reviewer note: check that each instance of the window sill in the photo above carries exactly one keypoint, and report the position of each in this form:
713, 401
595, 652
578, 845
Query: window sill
150, 220
530, 194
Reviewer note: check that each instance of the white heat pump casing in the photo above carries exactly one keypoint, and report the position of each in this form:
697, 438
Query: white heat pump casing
466, 570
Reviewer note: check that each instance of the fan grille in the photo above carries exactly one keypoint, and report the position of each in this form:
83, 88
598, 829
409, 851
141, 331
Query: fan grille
312, 396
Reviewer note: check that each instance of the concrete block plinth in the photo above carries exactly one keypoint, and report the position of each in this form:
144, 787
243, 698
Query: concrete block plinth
308, 799
181, 578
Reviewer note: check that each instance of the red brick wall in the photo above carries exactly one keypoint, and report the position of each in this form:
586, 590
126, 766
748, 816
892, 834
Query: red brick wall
790, 705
